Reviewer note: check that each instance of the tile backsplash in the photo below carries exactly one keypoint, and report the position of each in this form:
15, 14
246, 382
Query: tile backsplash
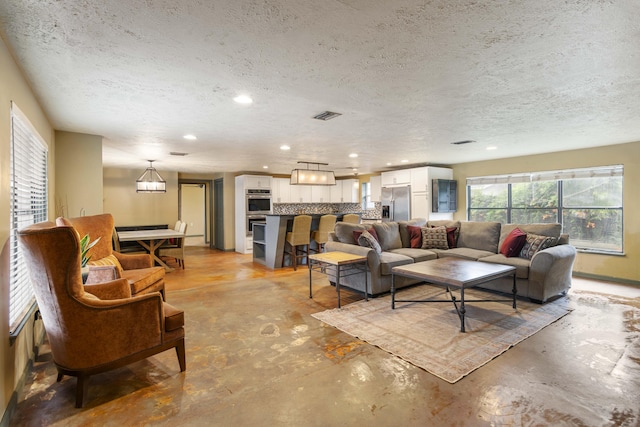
326, 208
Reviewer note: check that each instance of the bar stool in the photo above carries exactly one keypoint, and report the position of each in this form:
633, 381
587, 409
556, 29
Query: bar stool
352, 218
300, 235
321, 235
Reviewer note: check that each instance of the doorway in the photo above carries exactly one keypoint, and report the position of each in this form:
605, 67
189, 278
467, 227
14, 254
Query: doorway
194, 208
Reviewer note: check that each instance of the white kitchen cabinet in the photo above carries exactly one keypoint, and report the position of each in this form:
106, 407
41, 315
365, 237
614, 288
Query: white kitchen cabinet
300, 193
345, 191
376, 187
321, 193
280, 190
420, 179
421, 191
396, 178
256, 181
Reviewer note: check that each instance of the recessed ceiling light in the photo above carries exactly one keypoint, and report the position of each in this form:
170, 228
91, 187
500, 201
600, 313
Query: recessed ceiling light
190, 137
353, 155
389, 164
492, 147
265, 167
404, 161
285, 147
243, 99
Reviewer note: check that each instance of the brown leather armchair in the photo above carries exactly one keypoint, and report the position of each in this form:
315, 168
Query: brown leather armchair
93, 328
138, 269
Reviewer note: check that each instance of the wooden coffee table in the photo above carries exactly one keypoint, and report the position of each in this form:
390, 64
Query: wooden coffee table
453, 273
345, 264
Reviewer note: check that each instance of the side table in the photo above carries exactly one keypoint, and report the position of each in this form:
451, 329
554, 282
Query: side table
345, 264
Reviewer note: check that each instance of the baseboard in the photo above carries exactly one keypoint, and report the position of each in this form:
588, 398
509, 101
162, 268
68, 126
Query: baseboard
606, 278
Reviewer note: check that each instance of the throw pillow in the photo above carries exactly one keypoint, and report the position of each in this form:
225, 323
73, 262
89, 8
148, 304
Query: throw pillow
372, 231
415, 236
513, 243
108, 260
367, 240
451, 235
535, 244
434, 238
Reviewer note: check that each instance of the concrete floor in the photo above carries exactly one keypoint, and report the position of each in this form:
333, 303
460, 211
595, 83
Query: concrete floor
256, 357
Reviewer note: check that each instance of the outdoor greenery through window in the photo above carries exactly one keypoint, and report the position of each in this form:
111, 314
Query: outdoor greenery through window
587, 202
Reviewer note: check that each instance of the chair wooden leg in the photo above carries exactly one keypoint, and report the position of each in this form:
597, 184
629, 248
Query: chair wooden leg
60, 375
82, 386
294, 250
182, 360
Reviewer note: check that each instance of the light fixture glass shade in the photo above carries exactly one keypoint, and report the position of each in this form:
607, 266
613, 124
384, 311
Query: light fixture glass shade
151, 181
312, 177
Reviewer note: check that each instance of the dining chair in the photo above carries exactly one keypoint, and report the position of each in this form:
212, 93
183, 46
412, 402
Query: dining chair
299, 238
176, 252
325, 226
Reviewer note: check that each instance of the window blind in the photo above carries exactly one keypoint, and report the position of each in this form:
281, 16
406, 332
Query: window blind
595, 172
28, 187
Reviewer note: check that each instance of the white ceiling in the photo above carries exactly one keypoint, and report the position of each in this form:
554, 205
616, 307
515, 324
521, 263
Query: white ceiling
409, 77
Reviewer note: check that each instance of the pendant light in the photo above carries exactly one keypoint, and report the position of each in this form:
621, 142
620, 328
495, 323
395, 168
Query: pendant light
151, 181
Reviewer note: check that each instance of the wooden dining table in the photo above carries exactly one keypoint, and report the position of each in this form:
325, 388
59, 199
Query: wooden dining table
151, 240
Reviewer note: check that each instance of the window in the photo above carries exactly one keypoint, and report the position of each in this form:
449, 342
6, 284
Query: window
366, 196
28, 186
587, 202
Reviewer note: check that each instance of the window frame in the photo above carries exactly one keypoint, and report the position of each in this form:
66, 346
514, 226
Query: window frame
29, 200
559, 177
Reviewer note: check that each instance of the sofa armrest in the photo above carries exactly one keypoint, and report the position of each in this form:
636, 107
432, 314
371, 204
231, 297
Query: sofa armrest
115, 289
134, 261
550, 271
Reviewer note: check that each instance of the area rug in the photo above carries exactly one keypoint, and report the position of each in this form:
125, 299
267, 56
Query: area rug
428, 334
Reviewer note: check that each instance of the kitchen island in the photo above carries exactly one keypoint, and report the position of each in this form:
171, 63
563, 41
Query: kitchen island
269, 249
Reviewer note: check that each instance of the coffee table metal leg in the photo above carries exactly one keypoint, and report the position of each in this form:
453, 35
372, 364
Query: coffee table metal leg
462, 309
338, 283
515, 290
393, 291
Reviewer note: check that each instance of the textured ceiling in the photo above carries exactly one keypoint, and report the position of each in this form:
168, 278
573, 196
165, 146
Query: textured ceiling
408, 76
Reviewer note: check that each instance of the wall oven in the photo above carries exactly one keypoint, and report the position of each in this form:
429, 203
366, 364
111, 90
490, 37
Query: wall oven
258, 201
252, 219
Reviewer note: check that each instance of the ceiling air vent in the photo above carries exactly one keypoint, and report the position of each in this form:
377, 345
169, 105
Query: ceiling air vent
175, 153
327, 115
466, 141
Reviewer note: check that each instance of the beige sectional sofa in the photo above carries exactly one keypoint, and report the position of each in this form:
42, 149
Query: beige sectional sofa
545, 275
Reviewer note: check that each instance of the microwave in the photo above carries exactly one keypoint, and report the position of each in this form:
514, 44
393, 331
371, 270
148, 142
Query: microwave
258, 201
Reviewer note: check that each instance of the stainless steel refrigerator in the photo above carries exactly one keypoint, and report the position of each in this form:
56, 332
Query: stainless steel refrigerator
396, 203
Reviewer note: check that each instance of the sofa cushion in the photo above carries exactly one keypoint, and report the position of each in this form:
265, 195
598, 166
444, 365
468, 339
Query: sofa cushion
512, 245
464, 253
483, 236
367, 240
405, 234
521, 264
542, 229
415, 237
344, 232
434, 238
388, 235
536, 243
388, 260
418, 255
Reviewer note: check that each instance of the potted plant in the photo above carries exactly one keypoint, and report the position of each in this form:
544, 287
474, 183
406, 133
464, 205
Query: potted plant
85, 247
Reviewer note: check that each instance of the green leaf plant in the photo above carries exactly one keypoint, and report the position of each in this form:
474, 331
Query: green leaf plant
85, 246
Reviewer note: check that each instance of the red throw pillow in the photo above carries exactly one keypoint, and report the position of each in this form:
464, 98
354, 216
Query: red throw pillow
513, 243
415, 236
372, 231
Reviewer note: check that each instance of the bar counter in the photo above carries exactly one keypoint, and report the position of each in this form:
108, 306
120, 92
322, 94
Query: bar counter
270, 251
